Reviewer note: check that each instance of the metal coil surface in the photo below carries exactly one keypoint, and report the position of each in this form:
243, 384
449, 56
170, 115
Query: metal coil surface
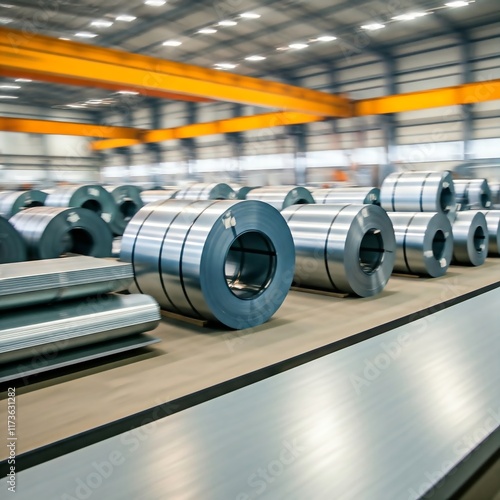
128, 202
242, 191
228, 261
12, 246
495, 193
424, 243
344, 196
12, 202
74, 324
493, 223
473, 194
281, 197
419, 192
470, 238
206, 192
51, 232
158, 195
339, 248
47, 281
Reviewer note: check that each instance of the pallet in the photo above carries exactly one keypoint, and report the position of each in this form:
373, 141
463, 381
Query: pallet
185, 319
320, 292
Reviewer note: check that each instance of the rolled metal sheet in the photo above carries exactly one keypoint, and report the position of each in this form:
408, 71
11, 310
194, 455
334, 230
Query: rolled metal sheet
51, 232
128, 201
92, 197
242, 191
206, 192
344, 196
281, 197
73, 324
419, 192
158, 195
342, 248
47, 281
12, 246
12, 202
470, 235
424, 243
493, 223
495, 193
473, 194
228, 261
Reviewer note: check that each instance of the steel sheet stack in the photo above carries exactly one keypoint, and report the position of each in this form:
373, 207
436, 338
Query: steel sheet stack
349, 249
344, 196
128, 201
228, 261
281, 197
470, 235
473, 194
12, 202
493, 223
158, 195
206, 192
12, 246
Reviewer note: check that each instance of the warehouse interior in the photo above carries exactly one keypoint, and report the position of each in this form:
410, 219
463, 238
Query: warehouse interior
250, 249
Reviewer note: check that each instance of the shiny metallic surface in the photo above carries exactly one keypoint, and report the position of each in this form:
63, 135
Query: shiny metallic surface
493, 223
158, 195
227, 261
48, 281
386, 418
344, 196
242, 191
419, 192
12, 246
51, 232
12, 202
25, 333
470, 238
424, 243
342, 248
473, 194
281, 197
214, 191
128, 201
92, 197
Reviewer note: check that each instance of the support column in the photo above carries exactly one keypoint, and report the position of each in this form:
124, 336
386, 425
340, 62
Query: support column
467, 109
189, 145
237, 142
299, 136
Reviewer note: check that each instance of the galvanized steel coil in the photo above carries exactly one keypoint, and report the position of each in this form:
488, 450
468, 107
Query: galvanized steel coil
51, 232
242, 191
424, 243
228, 261
28, 332
344, 196
12, 202
47, 281
493, 223
12, 246
495, 193
128, 201
92, 197
281, 197
419, 192
342, 248
206, 192
473, 194
470, 236
158, 195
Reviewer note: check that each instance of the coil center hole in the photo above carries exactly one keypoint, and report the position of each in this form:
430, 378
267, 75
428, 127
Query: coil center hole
78, 241
438, 245
371, 251
447, 199
128, 209
485, 200
32, 204
479, 240
93, 205
250, 264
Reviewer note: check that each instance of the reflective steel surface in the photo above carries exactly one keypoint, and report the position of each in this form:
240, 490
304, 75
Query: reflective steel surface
473, 194
158, 195
470, 237
128, 202
493, 223
12, 246
12, 202
344, 196
214, 191
281, 197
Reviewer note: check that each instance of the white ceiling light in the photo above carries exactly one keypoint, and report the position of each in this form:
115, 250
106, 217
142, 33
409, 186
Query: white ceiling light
85, 34
12, 87
326, 38
6, 5
6, 20
298, 46
63, 38
23, 80
94, 101
155, 3
171, 43
75, 105
125, 18
9, 97
410, 16
283, 48
227, 22
207, 31
459, 3
127, 92
250, 15
101, 23
226, 65
254, 58
373, 26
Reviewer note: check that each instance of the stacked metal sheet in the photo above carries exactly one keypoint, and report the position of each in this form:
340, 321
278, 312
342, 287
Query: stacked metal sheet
281, 197
12, 246
48, 281
344, 196
206, 192
128, 201
12, 202
473, 194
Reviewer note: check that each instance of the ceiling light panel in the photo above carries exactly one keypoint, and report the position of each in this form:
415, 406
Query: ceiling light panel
155, 3
101, 23
298, 46
254, 58
250, 15
172, 43
125, 18
227, 22
373, 26
207, 31
85, 34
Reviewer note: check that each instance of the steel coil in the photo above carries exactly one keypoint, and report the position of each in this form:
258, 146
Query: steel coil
158, 195
493, 223
344, 196
228, 261
128, 201
12, 246
470, 238
46, 281
12, 202
424, 243
495, 193
419, 192
206, 192
342, 248
74, 324
91, 197
281, 197
473, 194
51, 232
242, 191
